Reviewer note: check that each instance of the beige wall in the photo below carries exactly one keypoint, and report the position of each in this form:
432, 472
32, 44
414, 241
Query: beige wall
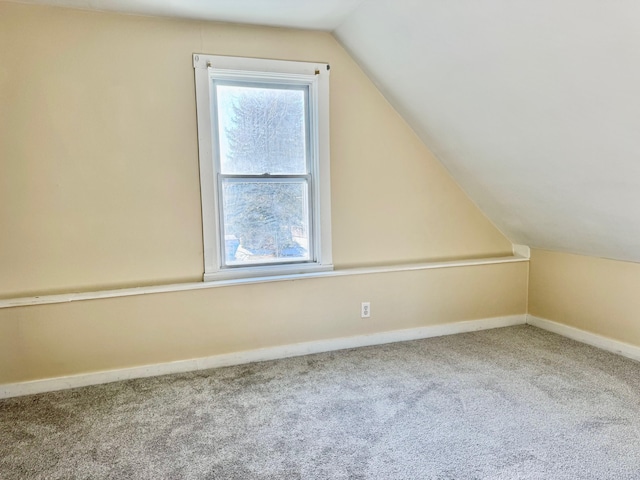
98, 141
594, 294
99, 189
78, 337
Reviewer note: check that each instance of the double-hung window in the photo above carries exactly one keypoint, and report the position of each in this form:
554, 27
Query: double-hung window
263, 135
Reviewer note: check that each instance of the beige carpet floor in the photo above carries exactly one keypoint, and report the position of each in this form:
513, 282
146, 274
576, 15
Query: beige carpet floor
510, 403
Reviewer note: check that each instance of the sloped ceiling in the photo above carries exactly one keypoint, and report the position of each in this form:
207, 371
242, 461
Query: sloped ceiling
533, 106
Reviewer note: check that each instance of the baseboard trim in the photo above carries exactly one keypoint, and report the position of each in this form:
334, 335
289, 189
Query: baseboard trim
593, 339
259, 355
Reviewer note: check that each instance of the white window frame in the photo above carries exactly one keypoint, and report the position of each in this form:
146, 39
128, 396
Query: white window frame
316, 76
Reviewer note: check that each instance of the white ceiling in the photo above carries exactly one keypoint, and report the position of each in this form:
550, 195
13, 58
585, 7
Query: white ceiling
312, 14
533, 106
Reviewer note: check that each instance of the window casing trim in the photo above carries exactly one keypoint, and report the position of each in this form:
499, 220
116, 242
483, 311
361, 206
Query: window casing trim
281, 72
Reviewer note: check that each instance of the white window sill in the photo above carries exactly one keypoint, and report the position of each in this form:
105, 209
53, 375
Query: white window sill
266, 271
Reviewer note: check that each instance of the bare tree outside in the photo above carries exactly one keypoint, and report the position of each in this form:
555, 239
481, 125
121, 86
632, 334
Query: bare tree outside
263, 132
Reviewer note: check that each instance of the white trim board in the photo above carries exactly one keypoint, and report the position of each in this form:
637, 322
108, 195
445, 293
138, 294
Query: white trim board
259, 355
593, 339
180, 287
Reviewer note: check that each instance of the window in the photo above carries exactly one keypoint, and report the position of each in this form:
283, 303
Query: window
263, 136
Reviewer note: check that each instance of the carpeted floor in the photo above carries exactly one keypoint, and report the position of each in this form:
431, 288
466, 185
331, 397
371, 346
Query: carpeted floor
510, 403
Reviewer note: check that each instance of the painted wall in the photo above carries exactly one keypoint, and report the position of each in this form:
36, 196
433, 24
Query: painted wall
593, 294
63, 339
99, 189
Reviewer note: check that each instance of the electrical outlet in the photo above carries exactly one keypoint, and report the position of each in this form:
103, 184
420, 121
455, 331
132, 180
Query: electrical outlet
365, 310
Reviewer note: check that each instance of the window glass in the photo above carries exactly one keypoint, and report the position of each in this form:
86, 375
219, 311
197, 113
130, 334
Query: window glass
265, 222
261, 130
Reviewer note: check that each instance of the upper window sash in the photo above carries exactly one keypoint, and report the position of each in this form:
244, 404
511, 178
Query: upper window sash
225, 91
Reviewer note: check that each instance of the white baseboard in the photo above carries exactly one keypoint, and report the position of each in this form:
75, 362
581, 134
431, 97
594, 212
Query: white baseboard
595, 340
259, 355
